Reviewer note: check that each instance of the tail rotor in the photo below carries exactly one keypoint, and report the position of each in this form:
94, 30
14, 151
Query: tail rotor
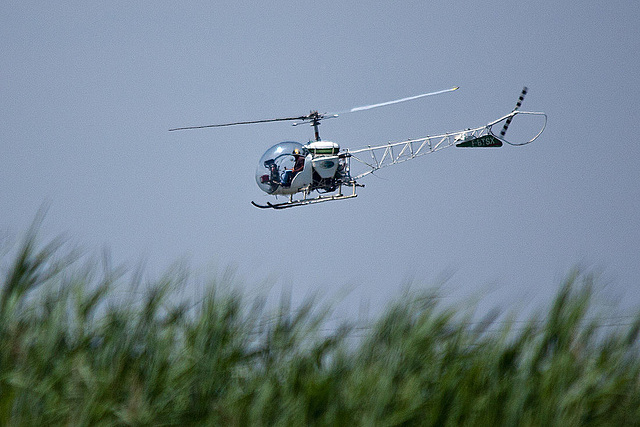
518, 105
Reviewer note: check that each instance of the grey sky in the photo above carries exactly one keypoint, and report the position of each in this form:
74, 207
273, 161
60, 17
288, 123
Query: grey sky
88, 91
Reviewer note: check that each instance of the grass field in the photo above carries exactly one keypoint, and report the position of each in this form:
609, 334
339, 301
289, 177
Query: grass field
71, 353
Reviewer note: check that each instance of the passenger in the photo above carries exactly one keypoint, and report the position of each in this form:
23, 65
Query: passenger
299, 161
285, 180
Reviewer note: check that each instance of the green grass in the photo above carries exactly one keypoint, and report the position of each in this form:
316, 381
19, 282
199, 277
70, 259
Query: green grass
74, 352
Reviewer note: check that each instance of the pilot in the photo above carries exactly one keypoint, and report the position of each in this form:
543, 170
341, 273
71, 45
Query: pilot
298, 165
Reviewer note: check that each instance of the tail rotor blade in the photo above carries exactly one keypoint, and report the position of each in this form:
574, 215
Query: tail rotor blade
518, 105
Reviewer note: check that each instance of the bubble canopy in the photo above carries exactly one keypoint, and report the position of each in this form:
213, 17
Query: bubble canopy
273, 163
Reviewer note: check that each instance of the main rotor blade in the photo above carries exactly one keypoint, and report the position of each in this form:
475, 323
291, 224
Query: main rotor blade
315, 117
397, 101
242, 123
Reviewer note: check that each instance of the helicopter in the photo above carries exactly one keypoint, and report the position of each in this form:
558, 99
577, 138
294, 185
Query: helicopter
319, 166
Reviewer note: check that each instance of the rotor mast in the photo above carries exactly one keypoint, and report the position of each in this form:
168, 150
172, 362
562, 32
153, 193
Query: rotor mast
315, 118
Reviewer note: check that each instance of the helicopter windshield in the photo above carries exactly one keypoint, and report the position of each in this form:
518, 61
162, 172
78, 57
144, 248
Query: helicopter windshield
273, 164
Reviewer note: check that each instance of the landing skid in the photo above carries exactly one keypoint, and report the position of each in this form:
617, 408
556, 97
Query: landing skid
302, 202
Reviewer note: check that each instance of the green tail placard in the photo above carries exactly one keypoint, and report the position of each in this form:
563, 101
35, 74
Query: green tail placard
481, 142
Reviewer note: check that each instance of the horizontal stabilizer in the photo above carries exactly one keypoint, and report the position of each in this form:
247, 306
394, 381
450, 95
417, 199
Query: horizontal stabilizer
483, 141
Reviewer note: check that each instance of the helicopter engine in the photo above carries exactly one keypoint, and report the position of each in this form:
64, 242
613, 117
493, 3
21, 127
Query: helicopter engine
325, 164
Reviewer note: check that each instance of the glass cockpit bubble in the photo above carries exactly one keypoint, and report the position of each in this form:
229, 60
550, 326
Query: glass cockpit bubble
273, 163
